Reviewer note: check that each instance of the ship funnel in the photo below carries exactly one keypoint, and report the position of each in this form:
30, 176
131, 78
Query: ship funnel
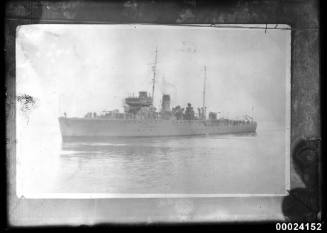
165, 103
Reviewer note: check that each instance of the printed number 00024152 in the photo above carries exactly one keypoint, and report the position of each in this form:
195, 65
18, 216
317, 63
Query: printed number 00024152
299, 226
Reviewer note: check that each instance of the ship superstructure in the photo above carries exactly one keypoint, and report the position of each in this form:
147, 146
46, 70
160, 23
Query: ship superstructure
141, 118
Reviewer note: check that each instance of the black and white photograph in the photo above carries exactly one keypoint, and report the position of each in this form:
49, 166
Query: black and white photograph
114, 111
158, 113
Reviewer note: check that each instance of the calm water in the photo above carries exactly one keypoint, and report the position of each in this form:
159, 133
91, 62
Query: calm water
225, 164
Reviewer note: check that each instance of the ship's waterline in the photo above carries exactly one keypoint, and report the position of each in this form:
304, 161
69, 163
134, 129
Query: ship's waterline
82, 127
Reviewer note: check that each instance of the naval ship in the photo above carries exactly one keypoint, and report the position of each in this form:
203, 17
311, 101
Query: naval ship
141, 119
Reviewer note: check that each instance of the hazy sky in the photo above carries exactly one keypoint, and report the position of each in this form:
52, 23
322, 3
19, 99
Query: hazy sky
82, 68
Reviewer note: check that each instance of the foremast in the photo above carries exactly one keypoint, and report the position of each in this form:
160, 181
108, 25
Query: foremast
204, 94
154, 69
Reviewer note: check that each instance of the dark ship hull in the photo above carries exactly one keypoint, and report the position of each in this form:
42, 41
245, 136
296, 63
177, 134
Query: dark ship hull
97, 127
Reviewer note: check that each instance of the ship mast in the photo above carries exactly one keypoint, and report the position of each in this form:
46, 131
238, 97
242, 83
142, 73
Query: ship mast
252, 113
204, 93
154, 74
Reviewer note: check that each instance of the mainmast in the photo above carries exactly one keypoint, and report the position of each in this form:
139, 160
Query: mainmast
204, 93
154, 69
252, 113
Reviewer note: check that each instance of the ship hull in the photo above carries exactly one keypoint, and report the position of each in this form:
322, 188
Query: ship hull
99, 128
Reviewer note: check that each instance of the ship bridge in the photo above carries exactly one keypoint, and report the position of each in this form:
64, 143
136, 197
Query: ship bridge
134, 104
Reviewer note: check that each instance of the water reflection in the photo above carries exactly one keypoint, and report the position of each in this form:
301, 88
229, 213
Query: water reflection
246, 163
